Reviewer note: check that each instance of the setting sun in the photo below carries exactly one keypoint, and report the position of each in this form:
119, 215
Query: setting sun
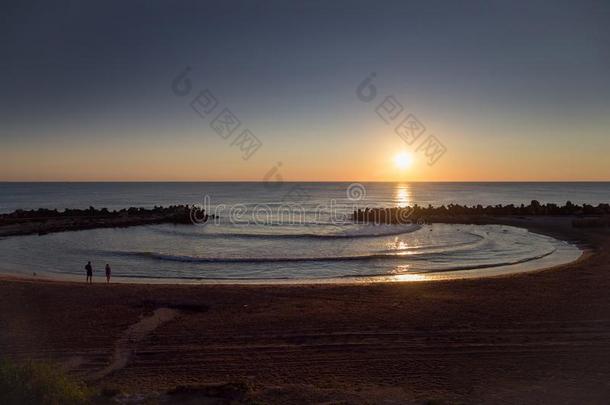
403, 160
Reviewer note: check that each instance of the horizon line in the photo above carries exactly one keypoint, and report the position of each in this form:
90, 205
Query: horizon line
305, 181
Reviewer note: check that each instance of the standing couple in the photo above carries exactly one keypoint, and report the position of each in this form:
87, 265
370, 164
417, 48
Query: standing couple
89, 269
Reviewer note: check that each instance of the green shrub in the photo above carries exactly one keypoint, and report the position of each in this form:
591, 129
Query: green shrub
38, 383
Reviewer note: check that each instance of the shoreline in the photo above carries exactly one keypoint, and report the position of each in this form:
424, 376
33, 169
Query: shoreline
531, 224
540, 336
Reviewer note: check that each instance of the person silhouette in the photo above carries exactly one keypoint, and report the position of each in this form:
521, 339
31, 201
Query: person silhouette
108, 273
89, 272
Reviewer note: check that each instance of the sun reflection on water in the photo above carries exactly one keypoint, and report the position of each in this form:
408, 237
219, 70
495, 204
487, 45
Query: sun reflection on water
402, 273
402, 195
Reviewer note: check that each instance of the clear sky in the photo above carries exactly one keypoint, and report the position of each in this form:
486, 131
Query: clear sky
512, 90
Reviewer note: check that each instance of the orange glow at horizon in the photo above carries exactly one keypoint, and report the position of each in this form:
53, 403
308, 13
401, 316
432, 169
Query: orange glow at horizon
371, 156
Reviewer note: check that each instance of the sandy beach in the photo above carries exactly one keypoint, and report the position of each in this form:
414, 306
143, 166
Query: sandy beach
305, 202
537, 337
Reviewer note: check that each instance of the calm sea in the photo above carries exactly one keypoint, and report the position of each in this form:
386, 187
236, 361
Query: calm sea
120, 195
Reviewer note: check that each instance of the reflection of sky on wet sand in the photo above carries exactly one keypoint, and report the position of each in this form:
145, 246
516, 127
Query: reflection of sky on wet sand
409, 277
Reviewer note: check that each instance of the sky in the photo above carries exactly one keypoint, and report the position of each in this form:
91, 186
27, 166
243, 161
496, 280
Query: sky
138, 90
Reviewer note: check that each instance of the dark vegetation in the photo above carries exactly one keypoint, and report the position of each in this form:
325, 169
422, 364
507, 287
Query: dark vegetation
588, 215
39, 383
41, 221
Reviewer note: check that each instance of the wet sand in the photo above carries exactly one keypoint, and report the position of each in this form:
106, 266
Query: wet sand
540, 337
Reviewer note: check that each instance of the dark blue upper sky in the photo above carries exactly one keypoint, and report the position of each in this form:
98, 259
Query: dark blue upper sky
481, 73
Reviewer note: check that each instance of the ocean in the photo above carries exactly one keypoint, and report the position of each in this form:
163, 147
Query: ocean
287, 232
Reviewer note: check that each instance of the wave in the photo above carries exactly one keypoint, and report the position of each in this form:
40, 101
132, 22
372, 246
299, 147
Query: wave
369, 231
369, 257
196, 259
471, 244
492, 265
230, 278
